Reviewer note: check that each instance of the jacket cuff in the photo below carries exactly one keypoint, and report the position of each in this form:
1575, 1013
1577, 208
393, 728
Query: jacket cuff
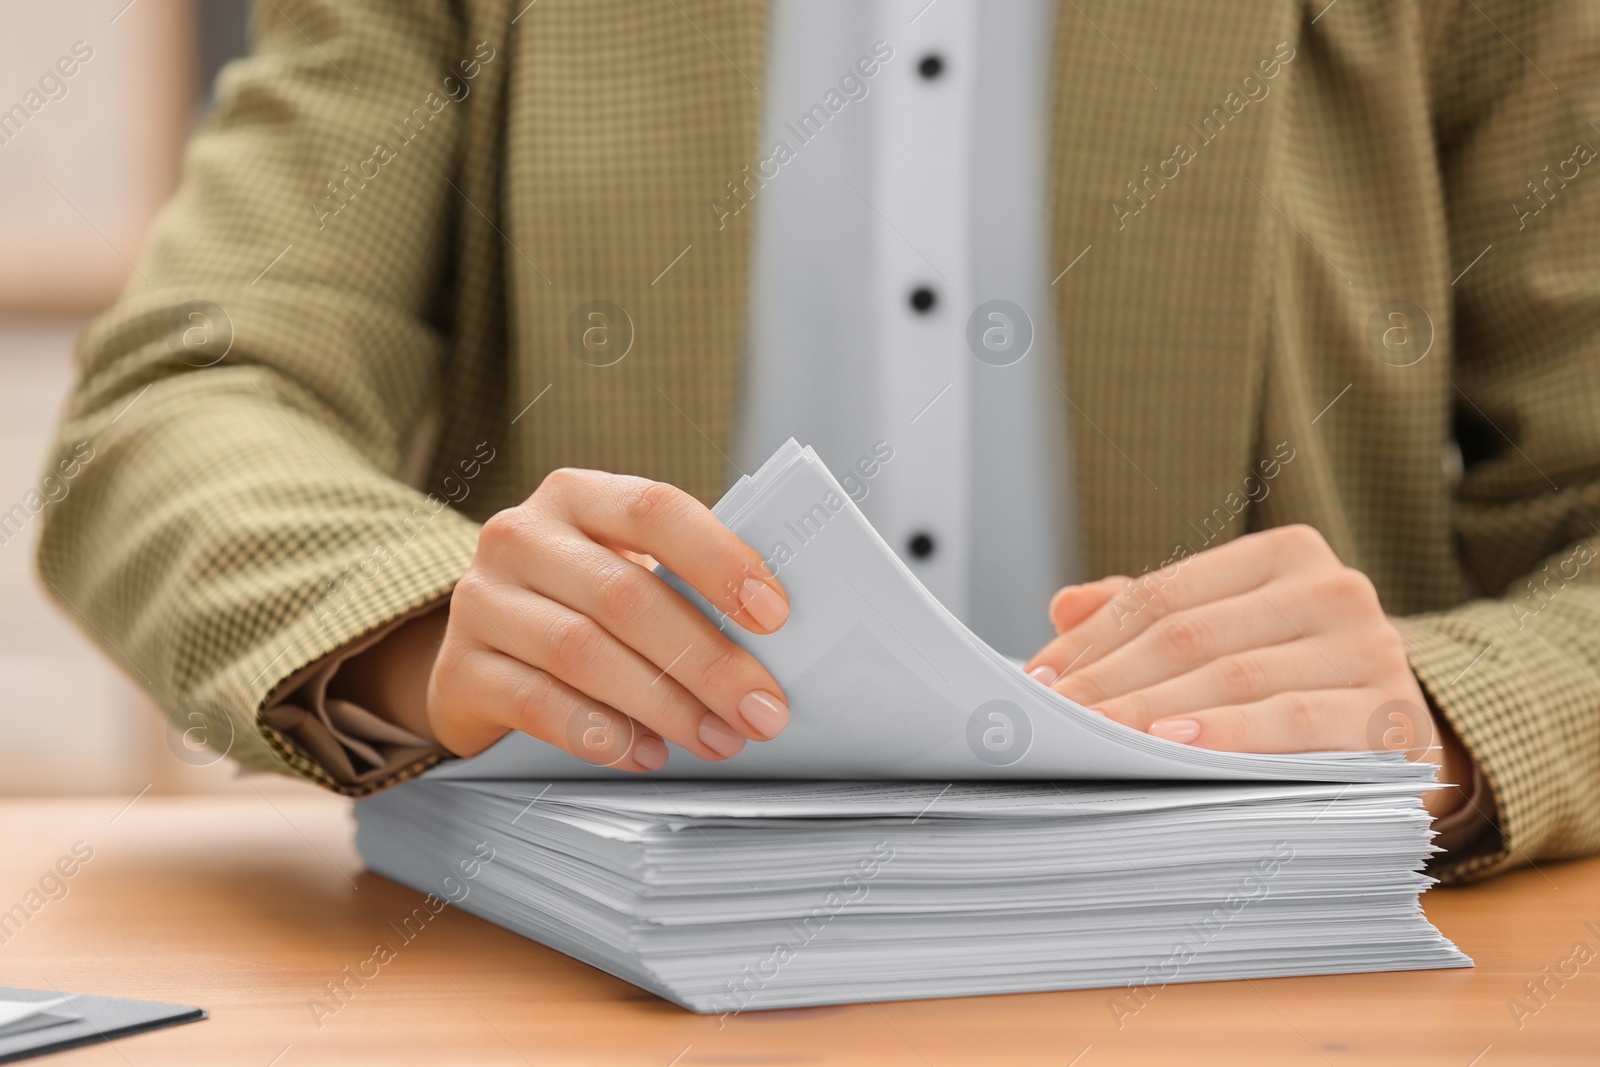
1471, 831
356, 748
331, 743
1472, 839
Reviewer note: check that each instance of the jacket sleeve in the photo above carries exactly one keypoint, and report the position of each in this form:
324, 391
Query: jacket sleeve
1517, 672
235, 510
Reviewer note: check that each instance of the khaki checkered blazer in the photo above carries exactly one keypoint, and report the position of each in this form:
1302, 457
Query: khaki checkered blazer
397, 205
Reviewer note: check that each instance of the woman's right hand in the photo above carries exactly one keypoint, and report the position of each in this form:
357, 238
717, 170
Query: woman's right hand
556, 630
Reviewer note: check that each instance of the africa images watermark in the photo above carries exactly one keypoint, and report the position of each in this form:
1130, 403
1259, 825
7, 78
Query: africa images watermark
343, 591
53, 489
341, 193
1143, 187
1546, 584
52, 86
852, 889
1540, 992
340, 991
52, 887
1139, 592
853, 86
1252, 887
1566, 170
809, 524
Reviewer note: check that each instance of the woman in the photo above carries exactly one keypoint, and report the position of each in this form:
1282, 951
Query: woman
428, 259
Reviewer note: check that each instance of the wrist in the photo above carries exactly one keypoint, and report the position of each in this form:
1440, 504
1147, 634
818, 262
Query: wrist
1455, 768
390, 679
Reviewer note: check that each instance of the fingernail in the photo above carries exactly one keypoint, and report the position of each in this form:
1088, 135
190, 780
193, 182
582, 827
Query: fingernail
763, 603
719, 737
650, 753
1043, 673
765, 713
1180, 730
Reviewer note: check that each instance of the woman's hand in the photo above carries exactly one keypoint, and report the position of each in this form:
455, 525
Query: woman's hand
1264, 644
560, 630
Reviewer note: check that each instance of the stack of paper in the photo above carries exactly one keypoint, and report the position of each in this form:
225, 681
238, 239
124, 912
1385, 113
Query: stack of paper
978, 833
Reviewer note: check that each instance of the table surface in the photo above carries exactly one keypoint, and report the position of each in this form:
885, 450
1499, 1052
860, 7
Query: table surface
246, 905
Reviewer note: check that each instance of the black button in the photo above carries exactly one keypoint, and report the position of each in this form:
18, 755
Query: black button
923, 299
921, 545
932, 66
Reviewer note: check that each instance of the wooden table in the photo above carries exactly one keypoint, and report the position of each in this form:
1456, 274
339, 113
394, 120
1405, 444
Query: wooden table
247, 905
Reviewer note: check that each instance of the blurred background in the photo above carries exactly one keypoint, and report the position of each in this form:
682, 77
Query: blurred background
86, 161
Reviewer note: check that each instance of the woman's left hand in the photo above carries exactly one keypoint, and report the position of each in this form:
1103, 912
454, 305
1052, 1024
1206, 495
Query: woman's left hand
1265, 644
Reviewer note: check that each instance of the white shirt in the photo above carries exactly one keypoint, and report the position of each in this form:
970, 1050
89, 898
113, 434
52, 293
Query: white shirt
903, 150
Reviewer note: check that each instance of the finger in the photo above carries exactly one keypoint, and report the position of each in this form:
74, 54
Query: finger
1179, 643
1074, 603
1070, 606
1240, 678
647, 615
675, 528
1245, 565
581, 653
489, 694
1305, 721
